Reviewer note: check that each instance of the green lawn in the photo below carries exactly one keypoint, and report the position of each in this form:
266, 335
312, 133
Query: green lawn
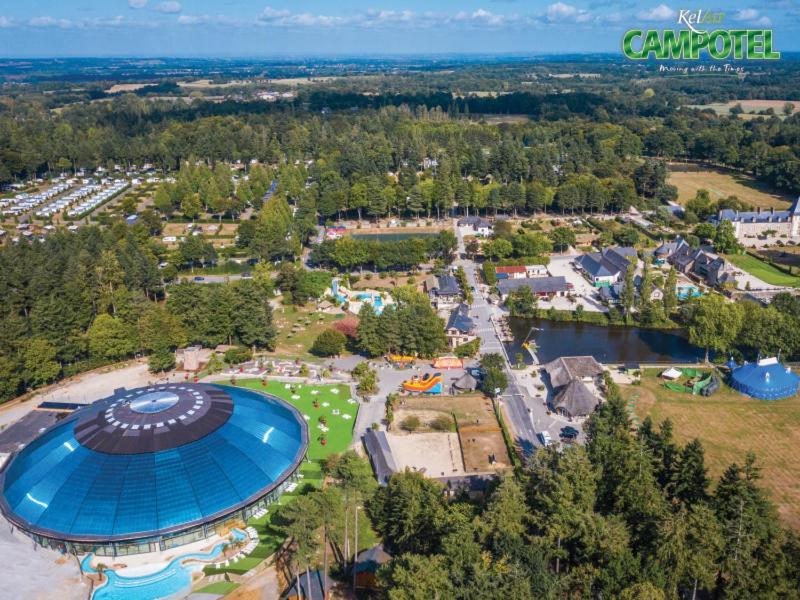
730, 424
220, 587
338, 439
298, 327
764, 271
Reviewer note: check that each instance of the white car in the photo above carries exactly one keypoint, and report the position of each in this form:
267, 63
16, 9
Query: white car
545, 437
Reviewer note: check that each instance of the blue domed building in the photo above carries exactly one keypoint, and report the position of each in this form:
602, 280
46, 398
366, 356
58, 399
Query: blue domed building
153, 468
766, 379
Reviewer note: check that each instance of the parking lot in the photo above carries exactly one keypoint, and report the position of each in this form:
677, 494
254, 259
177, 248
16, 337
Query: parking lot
583, 291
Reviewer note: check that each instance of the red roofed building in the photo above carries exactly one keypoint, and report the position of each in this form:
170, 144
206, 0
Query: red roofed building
512, 272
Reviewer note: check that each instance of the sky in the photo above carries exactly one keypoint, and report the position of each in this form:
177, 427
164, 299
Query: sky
259, 28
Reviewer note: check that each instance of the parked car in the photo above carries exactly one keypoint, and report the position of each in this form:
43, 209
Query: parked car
199, 279
569, 432
545, 437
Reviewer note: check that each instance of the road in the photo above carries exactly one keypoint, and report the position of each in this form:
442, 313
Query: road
521, 409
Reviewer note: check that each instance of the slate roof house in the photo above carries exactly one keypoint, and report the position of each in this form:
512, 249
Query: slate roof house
759, 222
444, 291
476, 226
569, 376
607, 266
714, 270
460, 328
541, 286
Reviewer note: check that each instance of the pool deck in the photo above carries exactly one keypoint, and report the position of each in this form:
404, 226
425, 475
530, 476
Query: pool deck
30, 573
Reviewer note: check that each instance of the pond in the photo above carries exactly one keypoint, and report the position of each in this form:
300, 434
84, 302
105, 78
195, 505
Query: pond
392, 237
608, 344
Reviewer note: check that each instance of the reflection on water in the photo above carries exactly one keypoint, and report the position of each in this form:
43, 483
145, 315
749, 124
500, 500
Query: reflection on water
611, 344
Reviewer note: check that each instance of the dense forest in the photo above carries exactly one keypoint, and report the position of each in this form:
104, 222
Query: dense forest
627, 516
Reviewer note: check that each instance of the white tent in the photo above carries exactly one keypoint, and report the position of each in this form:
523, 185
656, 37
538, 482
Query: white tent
672, 373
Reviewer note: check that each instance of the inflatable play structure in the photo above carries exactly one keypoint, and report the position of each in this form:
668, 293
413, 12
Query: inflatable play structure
699, 382
428, 384
355, 299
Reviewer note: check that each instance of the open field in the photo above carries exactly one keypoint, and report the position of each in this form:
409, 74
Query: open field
479, 433
763, 270
127, 87
502, 119
749, 106
729, 425
721, 185
297, 330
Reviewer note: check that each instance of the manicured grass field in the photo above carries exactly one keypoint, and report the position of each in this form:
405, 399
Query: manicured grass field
337, 440
721, 184
763, 270
730, 424
219, 587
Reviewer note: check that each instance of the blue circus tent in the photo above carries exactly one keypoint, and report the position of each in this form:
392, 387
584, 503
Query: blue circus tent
766, 379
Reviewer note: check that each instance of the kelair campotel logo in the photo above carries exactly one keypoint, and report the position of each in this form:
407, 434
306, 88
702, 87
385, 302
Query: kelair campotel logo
697, 41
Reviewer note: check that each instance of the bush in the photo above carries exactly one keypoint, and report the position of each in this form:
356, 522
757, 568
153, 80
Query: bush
330, 342
236, 355
469, 349
442, 423
410, 423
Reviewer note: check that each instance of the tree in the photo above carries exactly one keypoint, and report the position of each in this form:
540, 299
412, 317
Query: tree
162, 357
522, 303
329, 343
670, 292
497, 249
628, 293
10, 378
562, 238
492, 360
689, 480
494, 382
110, 338
713, 324
414, 577
725, 241
39, 362
408, 513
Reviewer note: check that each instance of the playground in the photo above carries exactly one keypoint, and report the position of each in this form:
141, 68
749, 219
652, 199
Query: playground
429, 383
729, 425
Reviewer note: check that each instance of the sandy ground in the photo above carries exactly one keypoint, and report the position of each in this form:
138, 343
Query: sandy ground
436, 454
83, 388
29, 574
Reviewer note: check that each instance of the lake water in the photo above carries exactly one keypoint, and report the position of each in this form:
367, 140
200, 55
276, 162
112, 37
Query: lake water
611, 344
391, 237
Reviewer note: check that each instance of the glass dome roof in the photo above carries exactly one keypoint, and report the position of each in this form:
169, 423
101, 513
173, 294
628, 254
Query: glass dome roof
151, 461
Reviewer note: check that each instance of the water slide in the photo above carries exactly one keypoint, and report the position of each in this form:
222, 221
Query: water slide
429, 384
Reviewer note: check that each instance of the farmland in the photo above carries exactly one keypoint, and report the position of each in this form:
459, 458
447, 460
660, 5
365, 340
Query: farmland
720, 184
751, 107
730, 425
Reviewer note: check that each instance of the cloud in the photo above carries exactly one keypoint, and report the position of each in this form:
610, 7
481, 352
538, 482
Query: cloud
560, 12
137, 3
662, 12
47, 21
753, 16
169, 7
5, 22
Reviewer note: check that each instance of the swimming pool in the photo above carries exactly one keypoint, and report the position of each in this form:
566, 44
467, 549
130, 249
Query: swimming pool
173, 579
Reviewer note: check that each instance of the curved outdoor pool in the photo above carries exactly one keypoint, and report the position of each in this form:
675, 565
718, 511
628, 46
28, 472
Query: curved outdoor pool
172, 580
